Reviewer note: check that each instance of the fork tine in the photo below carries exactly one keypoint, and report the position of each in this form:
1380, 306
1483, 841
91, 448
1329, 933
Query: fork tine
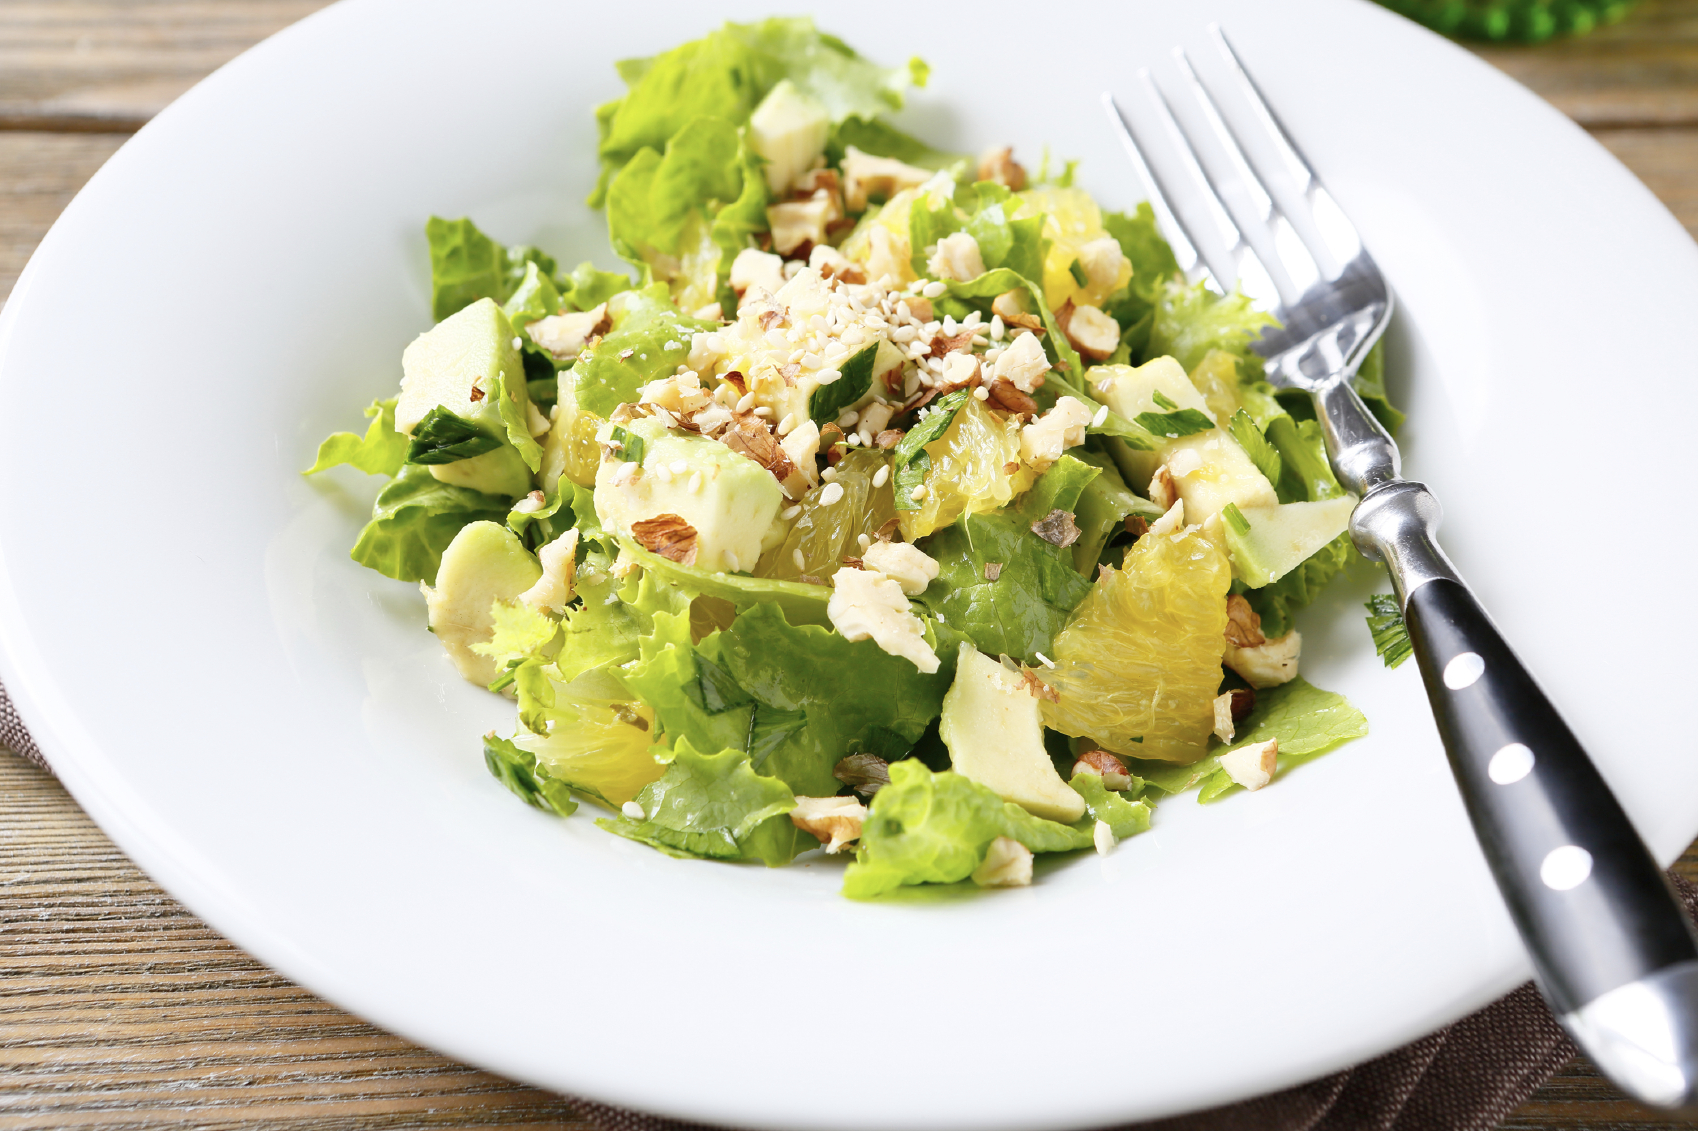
1251, 274
1336, 229
1178, 236
1293, 255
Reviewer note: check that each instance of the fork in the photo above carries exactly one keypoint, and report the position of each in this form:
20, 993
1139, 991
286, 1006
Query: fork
1613, 952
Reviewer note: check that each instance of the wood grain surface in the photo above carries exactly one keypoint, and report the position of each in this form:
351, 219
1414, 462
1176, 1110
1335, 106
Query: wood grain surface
120, 1009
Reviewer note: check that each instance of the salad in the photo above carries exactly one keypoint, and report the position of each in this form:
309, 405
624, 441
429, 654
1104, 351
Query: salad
895, 502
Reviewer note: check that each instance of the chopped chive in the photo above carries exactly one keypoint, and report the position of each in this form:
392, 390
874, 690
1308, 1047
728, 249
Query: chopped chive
1235, 518
1078, 272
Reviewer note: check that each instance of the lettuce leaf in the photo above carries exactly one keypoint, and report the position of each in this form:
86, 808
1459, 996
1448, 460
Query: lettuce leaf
1307, 721
466, 265
589, 286
649, 338
725, 75
981, 210
519, 772
414, 519
796, 698
1018, 613
1191, 320
381, 451
1101, 510
800, 602
714, 806
1152, 260
881, 139
1370, 384
930, 827
1277, 603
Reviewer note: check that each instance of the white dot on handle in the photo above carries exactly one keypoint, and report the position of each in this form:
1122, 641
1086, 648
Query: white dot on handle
1566, 867
1510, 764
1464, 670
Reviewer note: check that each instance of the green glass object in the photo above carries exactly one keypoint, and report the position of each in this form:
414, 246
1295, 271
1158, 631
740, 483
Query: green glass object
1517, 21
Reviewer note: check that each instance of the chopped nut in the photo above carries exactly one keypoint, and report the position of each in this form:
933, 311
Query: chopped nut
1057, 528
563, 335
956, 257
1007, 306
1093, 333
1007, 864
531, 503
866, 774
1243, 702
1106, 766
1022, 362
1243, 626
887, 532
667, 535
1137, 526
833, 821
997, 164
908, 566
942, 346
1169, 522
1005, 396
1037, 687
798, 223
1161, 490
751, 436
1102, 838
801, 446
865, 175
1252, 766
1269, 664
559, 560
993, 570
475, 395
889, 438
1223, 717
920, 307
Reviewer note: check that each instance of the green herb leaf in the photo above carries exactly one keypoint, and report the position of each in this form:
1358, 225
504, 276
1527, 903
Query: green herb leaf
910, 463
518, 771
1163, 401
1077, 270
1263, 454
631, 445
828, 401
1185, 422
1391, 635
1235, 518
442, 437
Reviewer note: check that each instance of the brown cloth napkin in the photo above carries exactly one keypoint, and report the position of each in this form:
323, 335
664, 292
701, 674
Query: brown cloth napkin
1465, 1077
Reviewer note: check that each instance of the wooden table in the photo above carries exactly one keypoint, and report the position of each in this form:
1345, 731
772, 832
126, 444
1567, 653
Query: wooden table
120, 1008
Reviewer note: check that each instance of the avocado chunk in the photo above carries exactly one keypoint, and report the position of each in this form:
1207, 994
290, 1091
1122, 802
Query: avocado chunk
1209, 468
996, 737
730, 501
788, 129
484, 564
467, 366
1282, 537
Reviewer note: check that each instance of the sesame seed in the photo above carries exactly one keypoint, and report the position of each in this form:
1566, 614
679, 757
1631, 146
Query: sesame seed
997, 328
518, 343
933, 290
664, 474
918, 493
671, 345
829, 474
746, 402
832, 493
827, 376
1102, 415
881, 476
801, 562
981, 393
785, 425
855, 440
790, 512
695, 482
848, 419
763, 411
632, 810
1044, 660
679, 467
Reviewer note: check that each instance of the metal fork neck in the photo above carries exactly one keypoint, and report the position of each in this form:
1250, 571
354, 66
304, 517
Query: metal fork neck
1363, 454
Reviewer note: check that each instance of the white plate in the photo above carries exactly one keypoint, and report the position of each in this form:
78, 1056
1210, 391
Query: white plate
267, 729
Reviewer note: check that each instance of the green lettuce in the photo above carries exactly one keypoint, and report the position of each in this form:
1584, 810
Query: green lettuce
931, 827
1152, 261
466, 265
714, 806
1018, 613
535, 298
1307, 721
381, 451
649, 338
910, 462
588, 286
1278, 602
1101, 510
414, 519
981, 210
796, 698
800, 602
881, 139
725, 75
1190, 320
1370, 384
